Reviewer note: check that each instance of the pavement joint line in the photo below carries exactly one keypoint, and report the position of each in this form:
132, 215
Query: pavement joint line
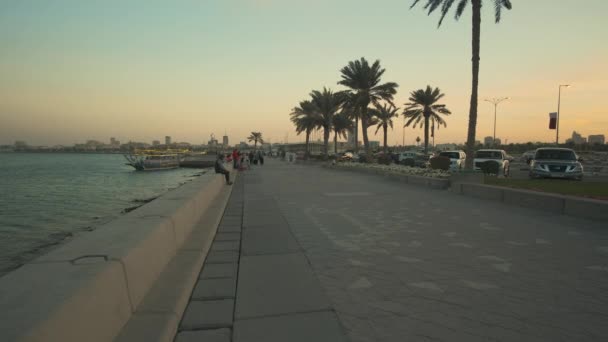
250, 318
210, 298
271, 253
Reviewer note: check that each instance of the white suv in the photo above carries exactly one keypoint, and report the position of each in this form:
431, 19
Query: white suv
499, 156
457, 159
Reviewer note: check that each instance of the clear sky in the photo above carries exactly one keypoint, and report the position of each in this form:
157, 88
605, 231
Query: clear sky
72, 70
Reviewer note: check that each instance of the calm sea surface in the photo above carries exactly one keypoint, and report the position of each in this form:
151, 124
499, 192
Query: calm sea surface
47, 197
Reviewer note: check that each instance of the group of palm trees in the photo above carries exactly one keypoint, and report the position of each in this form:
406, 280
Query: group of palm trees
336, 111
368, 101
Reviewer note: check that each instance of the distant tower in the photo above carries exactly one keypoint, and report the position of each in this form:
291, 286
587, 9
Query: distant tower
167, 140
225, 140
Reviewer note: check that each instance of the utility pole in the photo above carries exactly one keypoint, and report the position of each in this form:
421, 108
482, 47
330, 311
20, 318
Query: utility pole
559, 96
495, 102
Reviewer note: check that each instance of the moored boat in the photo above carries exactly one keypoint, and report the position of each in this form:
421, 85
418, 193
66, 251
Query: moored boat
153, 160
197, 160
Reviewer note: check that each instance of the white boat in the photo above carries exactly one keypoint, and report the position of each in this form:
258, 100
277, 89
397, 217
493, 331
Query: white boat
153, 160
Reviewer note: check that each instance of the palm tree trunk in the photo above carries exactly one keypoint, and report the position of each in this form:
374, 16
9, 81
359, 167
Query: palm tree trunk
307, 152
426, 134
385, 131
336, 144
475, 84
326, 140
356, 147
364, 125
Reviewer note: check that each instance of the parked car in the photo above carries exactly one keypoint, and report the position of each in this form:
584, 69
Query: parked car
499, 156
457, 159
409, 155
528, 156
556, 163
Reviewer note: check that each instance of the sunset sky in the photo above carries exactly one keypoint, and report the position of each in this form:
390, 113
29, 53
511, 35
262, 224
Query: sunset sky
140, 70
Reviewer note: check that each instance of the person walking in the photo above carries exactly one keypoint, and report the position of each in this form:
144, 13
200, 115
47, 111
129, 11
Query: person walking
220, 168
261, 157
235, 159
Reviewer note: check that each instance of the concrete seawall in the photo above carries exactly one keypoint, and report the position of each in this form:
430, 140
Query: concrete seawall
102, 284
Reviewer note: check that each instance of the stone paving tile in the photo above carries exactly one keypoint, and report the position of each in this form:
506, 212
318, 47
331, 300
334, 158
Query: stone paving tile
277, 284
304, 327
269, 240
209, 314
211, 271
229, 229
222, 257
226, 245
227, 237
213, 335
214, 288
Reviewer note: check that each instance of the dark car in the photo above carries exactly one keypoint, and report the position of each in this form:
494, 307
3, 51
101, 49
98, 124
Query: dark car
556, 163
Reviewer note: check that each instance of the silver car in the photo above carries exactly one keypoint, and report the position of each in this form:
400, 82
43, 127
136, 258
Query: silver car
556, 163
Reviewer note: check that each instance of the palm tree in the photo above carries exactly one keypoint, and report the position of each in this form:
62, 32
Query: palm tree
327, 104
431, 6
255, 137
423, 108
383, 118
364, 81
341, 125
306, 119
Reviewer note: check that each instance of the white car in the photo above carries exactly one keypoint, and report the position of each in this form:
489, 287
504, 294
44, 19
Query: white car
499, 156
409, 155
457, 159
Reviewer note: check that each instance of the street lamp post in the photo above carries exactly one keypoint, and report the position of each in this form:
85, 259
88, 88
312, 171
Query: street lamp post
495, 102
559, 97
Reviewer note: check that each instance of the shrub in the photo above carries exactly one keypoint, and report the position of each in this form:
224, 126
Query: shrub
384, 159
489, 167
409, 162
440, 163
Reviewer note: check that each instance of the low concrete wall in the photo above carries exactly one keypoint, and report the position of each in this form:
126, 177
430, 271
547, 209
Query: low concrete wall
88, 288
559, 204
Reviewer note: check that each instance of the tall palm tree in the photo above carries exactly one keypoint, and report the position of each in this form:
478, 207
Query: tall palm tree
364, 81
423, 108
446, 5
351, 109
327, 104
383, 118
341, 125
306, 119
256, 137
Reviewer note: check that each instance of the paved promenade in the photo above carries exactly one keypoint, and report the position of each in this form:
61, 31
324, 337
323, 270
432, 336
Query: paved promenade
327, 255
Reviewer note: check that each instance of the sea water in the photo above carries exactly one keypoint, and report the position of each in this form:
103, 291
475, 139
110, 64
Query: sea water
48, 197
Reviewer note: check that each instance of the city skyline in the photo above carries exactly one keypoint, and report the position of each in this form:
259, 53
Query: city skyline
192, 69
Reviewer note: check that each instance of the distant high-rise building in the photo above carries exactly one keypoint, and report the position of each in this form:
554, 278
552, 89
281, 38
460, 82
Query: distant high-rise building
488, 141
374, 144
225, 140
212, 141
168, 140
497, 142
155, 142
597, 139
577, 139
112, 141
